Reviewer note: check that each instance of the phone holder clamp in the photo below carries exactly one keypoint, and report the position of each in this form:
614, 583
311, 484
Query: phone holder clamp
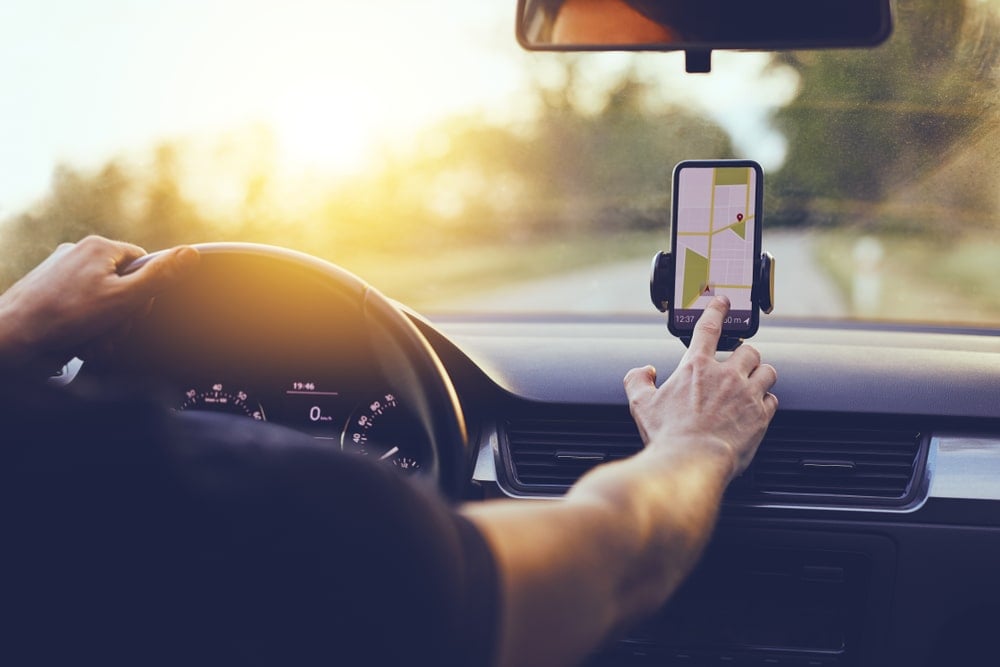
661, 289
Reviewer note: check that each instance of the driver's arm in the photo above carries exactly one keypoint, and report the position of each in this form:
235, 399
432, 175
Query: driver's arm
75, 303
575, 571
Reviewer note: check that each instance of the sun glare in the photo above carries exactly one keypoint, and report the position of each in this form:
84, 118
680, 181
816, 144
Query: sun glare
335, 86
324, 131
332, 82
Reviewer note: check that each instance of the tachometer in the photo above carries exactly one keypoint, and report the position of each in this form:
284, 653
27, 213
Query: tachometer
384, 430
219, 399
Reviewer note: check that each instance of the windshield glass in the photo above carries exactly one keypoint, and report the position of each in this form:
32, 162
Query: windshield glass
424, 150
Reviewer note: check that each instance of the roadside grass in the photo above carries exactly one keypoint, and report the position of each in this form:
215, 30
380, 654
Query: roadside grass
424, 278
924, 279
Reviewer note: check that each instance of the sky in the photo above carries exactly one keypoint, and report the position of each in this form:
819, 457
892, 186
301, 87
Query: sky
84, 81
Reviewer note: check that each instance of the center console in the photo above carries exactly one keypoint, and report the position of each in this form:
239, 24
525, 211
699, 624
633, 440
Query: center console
770, 597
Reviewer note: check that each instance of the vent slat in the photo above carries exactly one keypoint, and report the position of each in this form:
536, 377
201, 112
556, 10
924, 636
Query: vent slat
811, 448
536, 446
826, 463
795, 465
877, 459
821, 475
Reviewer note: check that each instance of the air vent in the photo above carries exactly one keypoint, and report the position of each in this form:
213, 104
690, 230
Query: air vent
851, 463
551, 455
802, 460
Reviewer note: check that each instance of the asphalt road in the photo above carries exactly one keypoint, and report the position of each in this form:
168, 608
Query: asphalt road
802, 289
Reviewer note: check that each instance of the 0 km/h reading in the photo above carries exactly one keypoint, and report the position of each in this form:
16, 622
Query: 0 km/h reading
316, 415
319, 406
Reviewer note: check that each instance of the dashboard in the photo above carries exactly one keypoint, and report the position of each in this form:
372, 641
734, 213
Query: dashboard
273, 344
866, 532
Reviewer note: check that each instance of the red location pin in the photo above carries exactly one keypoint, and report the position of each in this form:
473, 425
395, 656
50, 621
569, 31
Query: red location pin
739, 217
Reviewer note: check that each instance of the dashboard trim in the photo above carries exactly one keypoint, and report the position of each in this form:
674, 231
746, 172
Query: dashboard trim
958, 466
966, 467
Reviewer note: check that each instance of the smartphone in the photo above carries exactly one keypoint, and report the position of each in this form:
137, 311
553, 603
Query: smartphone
715, 236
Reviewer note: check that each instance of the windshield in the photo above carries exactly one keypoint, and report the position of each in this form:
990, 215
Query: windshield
424, 150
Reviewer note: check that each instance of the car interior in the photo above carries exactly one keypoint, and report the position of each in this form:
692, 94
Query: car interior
866, 531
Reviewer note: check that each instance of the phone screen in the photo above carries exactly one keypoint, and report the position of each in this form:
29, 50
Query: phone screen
715, 238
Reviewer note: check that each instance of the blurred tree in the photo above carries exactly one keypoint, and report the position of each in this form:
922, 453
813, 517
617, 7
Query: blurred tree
167, 217
115, 201
580, 167
79, 204
866, 123
573, 170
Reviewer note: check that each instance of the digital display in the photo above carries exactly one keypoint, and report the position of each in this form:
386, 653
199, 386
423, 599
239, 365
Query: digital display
315, 409
716, 242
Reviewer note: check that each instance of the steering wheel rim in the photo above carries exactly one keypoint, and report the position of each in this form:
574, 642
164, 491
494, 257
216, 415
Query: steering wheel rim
437, 409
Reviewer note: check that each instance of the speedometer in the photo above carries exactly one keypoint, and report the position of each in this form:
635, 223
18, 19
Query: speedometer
386, 431
219, 399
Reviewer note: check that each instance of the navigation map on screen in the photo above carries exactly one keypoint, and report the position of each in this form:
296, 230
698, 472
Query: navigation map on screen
714, 243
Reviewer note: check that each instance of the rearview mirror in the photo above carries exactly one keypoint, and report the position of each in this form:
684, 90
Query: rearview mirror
701, 26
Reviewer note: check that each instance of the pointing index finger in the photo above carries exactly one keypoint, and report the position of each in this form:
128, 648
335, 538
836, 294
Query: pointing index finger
708, 330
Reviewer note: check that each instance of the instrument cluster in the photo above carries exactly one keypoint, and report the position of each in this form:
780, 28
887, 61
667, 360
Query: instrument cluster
379, 425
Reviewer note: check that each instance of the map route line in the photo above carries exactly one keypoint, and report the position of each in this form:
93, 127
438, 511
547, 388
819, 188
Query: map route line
744, 221
749, 218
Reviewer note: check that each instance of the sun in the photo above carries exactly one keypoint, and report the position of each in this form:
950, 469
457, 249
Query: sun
323, 131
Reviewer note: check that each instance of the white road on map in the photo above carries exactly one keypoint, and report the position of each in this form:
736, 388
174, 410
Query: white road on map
802, 288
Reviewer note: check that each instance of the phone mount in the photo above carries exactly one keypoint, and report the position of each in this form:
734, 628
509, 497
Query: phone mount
661, 287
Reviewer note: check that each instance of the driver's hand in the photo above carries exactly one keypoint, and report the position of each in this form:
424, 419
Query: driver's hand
707, 406
76, 303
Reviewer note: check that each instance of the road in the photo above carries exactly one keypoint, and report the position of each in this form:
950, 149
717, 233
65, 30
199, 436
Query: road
802, 289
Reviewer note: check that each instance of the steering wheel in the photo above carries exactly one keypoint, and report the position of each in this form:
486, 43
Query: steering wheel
401, 350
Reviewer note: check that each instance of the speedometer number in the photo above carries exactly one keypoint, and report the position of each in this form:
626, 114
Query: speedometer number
406, 463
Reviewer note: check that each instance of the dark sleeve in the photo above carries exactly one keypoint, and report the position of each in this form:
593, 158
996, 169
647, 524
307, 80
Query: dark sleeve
338, 559
150, 539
